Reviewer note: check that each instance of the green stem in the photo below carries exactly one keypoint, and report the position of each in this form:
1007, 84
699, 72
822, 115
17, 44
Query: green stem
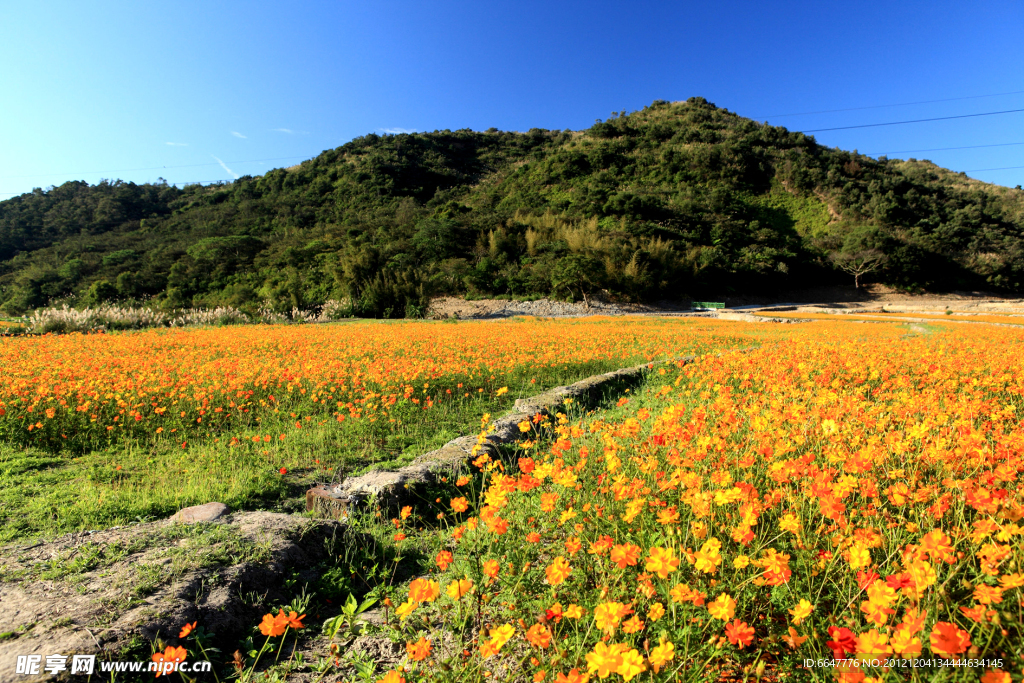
259, 654
283, 636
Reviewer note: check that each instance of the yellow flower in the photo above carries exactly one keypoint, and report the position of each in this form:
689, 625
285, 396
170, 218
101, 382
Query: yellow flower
632, 665
573, 612
905, 643
456, 589
801, 611
790, 523
405, 609
873, 645
605, 660
656, 612
634, 508
860, 557
661, 655
608, 615
723, 607
662, 561
709, 556
501, 635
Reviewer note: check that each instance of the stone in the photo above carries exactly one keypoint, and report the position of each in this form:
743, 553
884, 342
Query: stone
201, 513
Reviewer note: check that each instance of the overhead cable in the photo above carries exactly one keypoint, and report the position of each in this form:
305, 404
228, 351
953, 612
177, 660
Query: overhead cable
884, 106
899, 123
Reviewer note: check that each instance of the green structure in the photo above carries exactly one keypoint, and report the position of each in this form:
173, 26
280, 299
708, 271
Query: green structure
705, 305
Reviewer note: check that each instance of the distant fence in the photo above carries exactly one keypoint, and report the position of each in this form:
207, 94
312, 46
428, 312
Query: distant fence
705, 305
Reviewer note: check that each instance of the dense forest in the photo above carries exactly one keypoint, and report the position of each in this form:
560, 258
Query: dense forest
674, 201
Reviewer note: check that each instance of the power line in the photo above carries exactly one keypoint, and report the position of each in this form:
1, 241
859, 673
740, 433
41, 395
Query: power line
884, 106
1001, 168
152, 168
898, 123
942, 149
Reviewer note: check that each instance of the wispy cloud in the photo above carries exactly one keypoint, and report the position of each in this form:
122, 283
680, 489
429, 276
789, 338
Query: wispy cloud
225, 167
237, 134
177, 144
396, 131
284, 130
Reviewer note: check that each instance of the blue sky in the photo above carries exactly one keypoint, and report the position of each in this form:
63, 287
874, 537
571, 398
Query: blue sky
139, 90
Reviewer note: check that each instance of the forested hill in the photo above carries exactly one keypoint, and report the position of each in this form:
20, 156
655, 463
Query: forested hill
679, 199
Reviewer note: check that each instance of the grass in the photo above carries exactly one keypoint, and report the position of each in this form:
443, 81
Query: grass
44, 493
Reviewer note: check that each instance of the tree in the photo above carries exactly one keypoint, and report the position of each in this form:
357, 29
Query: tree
578, 272
858, 263
100, 292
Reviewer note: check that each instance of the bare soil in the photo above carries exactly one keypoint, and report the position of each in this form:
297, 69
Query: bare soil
113, 592
868, 297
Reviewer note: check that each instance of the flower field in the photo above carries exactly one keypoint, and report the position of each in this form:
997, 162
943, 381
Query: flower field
99, 429
841, 503
89, 390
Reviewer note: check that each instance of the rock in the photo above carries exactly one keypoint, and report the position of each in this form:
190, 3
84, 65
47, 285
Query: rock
389, 486
201, 513
148, 580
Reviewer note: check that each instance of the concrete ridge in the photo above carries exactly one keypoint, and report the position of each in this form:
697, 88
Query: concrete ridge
388, 485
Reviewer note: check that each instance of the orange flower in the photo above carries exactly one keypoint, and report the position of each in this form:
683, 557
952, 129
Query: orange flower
444, 559
491, 568
625, 555
273, 626
419, 650
168, 658
460, 504
187, 629
739, 634
424, 590
948, 640
574, 676
293, 619
558, 571
393, 676
988, 595
539, 635
633, 625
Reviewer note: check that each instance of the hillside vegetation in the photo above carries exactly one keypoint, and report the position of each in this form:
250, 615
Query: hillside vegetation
676, 200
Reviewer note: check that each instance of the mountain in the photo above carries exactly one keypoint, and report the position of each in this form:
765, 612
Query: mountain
676, 200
